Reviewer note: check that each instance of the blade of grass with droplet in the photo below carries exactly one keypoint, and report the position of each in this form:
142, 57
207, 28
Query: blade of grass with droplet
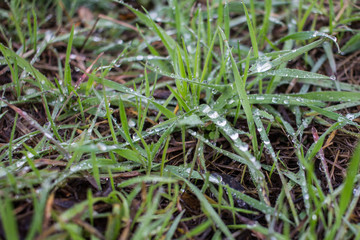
240, 88
330, 96
218, 87
245, 158
330, 84
267, 144
295, 53
124, 89
161, 141
283, 99
295, 73
26, 66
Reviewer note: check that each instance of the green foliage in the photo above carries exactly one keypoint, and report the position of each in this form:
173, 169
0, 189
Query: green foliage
230, 87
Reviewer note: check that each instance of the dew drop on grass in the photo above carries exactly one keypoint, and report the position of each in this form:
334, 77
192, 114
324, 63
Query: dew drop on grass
263, 67
350, 116
314, 217
243, 147
48, 135
101, 146
274, 100
306, 196
234, 136
213, 115
222, 123
260, 98
131, 123
231, 101
356, 192
139, 58
30, 91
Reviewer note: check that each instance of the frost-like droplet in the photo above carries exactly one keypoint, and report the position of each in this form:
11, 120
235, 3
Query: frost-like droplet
101, 146
263, 67
213, 115
206, 109
350, 116
131, 123
234, 136
222, 123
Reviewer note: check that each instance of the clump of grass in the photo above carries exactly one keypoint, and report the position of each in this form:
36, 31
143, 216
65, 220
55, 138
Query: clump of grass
208, 137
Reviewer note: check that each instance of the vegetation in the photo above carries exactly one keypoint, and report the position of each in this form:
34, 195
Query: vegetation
179, 119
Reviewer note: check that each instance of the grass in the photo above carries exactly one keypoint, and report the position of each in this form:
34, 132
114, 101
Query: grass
179, 120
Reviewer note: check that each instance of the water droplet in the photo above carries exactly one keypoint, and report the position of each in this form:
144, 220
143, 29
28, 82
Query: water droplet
356, 192
101, 146
350, 116
30, 91
260, 98
243, 147
263, 67
139, 58
48, 135
274, 100
131, 123
213, 114
231, 101
222, 123
234, 136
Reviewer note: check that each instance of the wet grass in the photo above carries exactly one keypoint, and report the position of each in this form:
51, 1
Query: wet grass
179, 120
